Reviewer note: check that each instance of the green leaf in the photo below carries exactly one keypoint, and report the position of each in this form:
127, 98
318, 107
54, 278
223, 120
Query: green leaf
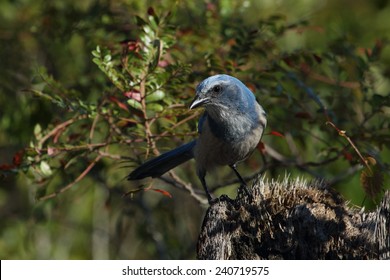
96, 53
155, 96
107, 58
155, 107
45, 169
149, 31
153, 21
135, 104
97, 61
38, 131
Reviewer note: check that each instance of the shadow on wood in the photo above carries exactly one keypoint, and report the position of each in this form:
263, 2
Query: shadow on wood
293, 219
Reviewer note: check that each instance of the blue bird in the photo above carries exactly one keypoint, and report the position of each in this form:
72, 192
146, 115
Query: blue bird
229, 130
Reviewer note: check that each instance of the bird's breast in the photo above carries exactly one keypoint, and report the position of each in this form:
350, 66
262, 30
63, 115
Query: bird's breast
226, 145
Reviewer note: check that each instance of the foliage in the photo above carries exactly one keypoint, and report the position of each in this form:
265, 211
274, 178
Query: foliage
124, 99
123, 117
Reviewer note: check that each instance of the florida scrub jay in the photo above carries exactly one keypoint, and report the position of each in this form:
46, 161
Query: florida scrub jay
229, 130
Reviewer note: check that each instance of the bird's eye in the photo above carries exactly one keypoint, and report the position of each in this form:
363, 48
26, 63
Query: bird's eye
217, 89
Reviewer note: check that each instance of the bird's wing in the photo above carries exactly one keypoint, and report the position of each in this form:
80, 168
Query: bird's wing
157, 166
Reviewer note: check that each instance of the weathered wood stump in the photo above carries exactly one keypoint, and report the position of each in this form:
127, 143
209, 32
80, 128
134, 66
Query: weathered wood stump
293, 219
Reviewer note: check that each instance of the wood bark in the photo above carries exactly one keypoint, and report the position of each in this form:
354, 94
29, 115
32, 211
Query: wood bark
293, 219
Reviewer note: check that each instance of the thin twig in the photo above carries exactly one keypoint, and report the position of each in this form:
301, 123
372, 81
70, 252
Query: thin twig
93, 126
344, 134
69, 186
346, 84
75, 148
151, 143
179, 183
176, 125
60, 127
111, 156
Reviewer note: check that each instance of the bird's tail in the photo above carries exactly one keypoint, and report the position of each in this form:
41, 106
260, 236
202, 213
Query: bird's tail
163, 163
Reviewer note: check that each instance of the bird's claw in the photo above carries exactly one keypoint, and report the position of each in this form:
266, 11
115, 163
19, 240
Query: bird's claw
247, 191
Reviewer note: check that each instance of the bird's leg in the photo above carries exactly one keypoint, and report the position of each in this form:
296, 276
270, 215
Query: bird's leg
234, 167
203, 181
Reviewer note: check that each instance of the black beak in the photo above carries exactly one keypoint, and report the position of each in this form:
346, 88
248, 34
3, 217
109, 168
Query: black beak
198, 101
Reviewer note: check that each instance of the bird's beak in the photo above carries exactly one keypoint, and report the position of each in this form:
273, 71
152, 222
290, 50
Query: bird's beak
199, 101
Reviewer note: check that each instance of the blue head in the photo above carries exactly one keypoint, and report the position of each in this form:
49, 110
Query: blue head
231, 107
223, 93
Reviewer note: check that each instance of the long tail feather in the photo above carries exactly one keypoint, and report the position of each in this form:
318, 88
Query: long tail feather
163, 163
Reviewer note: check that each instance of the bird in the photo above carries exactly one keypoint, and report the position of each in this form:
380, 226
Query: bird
229, 131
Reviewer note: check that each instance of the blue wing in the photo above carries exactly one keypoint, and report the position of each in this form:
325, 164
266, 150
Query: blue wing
163, 163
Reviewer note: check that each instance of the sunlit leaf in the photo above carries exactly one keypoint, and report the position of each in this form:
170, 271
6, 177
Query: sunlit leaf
135, 104
155, 96
45, 169
155, 107
38, 131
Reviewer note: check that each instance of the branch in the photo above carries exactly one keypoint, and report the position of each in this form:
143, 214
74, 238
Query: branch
78, 179
346, 84
344, 134
180, 184
60, 127
185, 120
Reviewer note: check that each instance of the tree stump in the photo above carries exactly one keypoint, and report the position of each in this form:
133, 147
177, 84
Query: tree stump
293, 219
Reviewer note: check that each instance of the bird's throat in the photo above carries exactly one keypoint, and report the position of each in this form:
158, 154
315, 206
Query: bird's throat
229, 126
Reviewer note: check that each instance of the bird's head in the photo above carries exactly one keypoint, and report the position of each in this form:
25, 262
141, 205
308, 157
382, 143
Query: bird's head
223, 93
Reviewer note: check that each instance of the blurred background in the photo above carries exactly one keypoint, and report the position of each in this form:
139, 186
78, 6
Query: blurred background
307, 61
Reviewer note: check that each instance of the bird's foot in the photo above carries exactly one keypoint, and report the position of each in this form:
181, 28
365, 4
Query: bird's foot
247, 191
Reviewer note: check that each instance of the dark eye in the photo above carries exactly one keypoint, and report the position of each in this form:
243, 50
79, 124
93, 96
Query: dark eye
217, 89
